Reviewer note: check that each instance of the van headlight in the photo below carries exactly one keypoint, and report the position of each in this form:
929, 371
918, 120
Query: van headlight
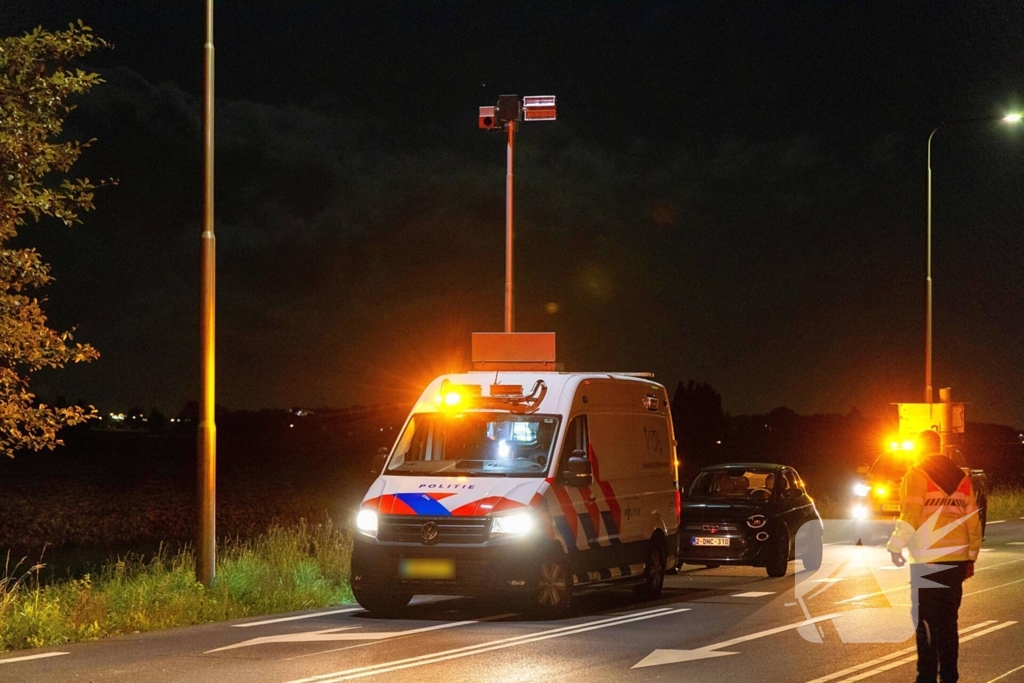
516, 524
366, 522
861, 490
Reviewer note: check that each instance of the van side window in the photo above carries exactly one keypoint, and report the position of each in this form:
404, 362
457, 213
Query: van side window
575, 439
791, 480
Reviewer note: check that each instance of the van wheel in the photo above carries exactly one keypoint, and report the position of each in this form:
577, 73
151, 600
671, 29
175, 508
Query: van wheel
553, 593
778, 555
654, 572
380, 602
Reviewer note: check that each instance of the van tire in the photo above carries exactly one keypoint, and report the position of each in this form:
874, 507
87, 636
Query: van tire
552, 594
654, 571
778, 555
381, 602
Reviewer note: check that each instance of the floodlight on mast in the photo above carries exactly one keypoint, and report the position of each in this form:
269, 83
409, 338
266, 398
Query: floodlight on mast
507, 114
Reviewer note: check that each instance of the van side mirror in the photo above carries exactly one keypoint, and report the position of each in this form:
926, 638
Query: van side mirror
379, 459
578, 471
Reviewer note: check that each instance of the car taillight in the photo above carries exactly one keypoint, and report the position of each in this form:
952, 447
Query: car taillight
679, 504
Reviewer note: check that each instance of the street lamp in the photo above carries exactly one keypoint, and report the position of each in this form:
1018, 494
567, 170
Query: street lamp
1009, 118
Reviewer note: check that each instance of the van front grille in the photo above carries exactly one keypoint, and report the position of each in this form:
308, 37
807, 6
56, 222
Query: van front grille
409, 529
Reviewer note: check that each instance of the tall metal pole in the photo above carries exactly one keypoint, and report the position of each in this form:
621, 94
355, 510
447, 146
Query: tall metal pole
510, 325
206, 541
928, 286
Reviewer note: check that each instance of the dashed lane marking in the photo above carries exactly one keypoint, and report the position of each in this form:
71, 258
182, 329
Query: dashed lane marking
1007, 674
26, 658
753, 594
857, 598
297, 617
996, 521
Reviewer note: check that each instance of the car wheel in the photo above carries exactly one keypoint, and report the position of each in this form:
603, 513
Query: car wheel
381, 602
553, 592
810, 556
654, 572
778, 555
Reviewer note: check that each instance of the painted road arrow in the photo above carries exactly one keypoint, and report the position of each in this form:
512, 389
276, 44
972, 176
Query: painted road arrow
659, 657
334, 635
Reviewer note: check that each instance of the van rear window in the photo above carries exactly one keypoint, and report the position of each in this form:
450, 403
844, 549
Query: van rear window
475, 444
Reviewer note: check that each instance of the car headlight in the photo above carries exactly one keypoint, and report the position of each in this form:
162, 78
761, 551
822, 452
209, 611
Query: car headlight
366, 522
859, 512
861, 490
518, 524
756, 521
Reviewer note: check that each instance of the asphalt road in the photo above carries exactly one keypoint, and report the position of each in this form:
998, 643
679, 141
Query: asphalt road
727, 624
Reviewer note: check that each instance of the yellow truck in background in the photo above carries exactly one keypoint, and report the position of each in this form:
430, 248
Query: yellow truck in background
876, 494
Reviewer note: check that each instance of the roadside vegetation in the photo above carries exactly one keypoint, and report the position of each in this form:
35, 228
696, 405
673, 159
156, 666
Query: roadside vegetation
301, 566
1006, 503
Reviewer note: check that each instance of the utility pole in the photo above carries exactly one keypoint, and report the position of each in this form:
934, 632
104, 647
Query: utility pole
506, 115
206, 540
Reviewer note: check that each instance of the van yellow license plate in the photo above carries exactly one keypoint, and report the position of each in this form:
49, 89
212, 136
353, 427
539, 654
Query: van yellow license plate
710, 540
426, 568
890, 507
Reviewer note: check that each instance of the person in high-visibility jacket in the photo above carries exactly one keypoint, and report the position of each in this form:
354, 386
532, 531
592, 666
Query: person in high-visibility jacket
940, 527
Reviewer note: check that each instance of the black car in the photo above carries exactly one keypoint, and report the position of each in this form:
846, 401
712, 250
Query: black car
749, 514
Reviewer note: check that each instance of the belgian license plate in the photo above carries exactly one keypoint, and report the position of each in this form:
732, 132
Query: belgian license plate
890, 507
709, 540
426, 568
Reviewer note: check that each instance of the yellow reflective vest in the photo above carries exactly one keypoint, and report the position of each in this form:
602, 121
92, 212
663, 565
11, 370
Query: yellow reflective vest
936, 525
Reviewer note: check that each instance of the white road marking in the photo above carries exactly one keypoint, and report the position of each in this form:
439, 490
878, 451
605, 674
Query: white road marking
407, 634
296, 618
28, 657
469, 650
986, 550
857, 598
996, 521
986, 590
913, 658
832, 580
1015, 543
891, 655
753, 594
1007, 673
659, 657
332, 635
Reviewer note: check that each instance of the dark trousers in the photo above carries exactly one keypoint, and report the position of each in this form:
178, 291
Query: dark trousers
935, 614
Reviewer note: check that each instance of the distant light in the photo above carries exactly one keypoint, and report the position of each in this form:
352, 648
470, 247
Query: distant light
881, 491
1012, 118
719, 443
908, 445
894, 445
861, 490
290, 426
859, 512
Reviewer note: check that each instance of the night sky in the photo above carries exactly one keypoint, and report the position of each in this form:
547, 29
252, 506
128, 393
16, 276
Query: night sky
733, 193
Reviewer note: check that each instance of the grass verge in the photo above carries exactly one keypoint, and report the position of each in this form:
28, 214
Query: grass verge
302, 566
1006, 503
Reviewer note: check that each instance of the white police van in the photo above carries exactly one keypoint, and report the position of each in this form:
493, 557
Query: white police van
535, 484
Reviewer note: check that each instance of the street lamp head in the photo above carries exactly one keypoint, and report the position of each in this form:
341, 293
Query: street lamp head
1012, 118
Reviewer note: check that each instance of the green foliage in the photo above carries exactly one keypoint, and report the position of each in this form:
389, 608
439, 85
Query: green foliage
1005, 503
37, 82
287, 568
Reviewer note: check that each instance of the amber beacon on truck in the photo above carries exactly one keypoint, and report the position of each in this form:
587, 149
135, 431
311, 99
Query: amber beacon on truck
518, 479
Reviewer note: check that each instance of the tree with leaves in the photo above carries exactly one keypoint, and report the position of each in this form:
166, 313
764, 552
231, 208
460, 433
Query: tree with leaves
37, 83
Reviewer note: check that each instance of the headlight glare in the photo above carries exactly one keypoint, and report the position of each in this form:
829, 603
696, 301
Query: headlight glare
861, 490
518, 524
366, 522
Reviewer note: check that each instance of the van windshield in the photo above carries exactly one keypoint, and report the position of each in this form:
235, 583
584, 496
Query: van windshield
475, 444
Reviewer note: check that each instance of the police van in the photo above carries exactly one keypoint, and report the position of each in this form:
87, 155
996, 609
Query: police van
532, 484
